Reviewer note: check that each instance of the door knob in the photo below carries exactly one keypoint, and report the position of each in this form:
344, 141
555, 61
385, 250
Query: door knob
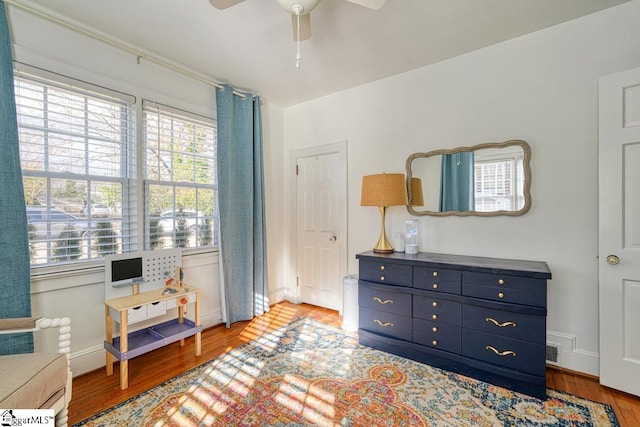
333, 238
613, 259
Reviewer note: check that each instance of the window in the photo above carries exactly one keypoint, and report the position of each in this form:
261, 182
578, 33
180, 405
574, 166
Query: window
179, 171
77, 153
79, 162
499, 184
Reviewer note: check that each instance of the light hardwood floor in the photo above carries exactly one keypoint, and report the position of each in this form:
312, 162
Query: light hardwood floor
95, 391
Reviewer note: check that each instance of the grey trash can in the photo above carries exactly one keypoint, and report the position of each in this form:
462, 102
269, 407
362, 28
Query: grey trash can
350, 302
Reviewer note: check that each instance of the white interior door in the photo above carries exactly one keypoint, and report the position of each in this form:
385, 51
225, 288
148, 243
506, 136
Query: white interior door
321, 227
619, 266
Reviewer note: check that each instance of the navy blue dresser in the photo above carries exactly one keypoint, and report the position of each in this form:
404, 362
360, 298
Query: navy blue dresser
480, 317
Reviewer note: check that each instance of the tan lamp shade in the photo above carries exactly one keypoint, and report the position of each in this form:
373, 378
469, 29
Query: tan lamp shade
382, 190
385, 189
417, 198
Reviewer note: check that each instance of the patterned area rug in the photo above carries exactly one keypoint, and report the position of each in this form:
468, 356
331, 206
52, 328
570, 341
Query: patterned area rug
309, 373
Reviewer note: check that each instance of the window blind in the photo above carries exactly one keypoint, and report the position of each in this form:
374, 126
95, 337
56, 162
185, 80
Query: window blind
180, 178
499, 184
77, 150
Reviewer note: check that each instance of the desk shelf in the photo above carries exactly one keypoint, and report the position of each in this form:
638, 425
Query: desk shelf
153, 337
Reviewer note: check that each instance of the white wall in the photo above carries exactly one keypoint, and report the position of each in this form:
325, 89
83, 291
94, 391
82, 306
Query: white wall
79, 294
541, 88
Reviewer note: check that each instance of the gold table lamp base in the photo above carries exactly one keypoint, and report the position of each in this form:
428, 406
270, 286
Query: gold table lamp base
383, 246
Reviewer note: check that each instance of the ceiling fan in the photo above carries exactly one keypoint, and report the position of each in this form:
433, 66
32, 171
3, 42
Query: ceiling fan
300, 12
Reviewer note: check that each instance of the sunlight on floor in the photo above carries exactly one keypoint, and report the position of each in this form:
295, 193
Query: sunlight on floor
232, 380
274, 319
313, 403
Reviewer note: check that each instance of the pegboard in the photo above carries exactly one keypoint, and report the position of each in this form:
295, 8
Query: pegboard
160, 264
157, 266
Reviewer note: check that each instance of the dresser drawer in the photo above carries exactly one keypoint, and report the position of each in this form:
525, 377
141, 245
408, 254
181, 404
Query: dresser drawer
388, 301
380, 322
511, 353
465, 317
437, 335
526, 327
437, 309
511, 289
437, 279
388, 273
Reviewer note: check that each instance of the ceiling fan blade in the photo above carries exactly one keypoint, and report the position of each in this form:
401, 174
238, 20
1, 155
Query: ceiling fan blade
223, 4
305, 27
371, 4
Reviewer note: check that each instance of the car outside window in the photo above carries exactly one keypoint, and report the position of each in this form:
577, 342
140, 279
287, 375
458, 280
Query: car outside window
77, 149
180, 178
79, 163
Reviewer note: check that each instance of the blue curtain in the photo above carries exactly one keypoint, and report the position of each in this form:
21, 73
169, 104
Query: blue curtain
241, 205
15, 286
456, 182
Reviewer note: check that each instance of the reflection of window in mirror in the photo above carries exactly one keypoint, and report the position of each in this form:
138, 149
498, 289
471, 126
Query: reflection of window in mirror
499, 180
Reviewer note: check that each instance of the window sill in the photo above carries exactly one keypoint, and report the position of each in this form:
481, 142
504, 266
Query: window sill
71, 275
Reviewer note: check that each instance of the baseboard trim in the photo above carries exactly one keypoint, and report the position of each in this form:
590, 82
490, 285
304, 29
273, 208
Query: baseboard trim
87, 360
571, 357
572, 372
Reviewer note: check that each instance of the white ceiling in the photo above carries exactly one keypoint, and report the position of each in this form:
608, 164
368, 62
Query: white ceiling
250, 45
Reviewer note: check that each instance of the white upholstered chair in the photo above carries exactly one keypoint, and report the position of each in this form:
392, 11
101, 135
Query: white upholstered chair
37, 380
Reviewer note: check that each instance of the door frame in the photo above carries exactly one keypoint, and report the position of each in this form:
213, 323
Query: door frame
339, 148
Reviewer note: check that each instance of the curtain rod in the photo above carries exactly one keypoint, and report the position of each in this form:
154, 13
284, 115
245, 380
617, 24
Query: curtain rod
138, 54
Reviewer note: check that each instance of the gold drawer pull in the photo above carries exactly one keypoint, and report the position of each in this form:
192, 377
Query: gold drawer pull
434, 317
434, 304
499, 353
435, 286
383, 324
435, 274
434, 329
434, 342
500, 281
382, 267
502, 325
500, 295
387, 301
382, 278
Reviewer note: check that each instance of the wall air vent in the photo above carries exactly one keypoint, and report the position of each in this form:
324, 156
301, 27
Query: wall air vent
553, 353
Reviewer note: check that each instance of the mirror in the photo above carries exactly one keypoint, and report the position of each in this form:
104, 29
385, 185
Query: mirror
484, 180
